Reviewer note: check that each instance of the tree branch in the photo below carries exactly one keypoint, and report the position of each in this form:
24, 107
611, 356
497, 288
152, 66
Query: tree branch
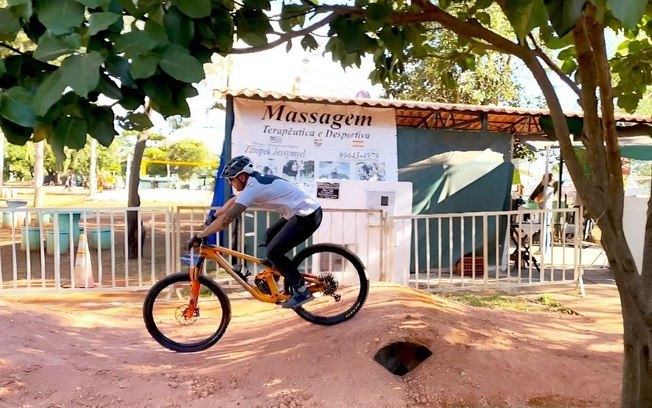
591, 132
285, 37
554, 68
609, 135
432, 13
9, 47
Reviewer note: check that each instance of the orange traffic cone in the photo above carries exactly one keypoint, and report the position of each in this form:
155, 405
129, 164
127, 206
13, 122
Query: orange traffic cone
83, 266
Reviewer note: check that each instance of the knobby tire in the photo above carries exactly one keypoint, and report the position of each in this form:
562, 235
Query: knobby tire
357, 293
158, 291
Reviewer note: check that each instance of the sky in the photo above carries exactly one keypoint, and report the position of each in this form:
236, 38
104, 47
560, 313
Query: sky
270, 71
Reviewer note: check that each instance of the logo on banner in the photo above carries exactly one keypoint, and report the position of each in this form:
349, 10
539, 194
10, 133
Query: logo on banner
357, 143
317, 142
275, 139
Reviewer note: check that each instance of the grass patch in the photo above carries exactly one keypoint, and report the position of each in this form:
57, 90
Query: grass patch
543, 303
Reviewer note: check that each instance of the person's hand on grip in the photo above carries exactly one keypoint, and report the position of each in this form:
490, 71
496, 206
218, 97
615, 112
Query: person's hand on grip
195, 242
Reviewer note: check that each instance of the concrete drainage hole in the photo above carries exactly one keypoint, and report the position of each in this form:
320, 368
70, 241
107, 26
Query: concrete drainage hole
402, 357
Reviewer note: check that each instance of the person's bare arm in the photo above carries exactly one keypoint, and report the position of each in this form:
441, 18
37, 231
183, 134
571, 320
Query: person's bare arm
225, 216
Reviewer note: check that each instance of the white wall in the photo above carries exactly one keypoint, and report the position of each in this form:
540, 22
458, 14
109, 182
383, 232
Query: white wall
362, 233
634, 219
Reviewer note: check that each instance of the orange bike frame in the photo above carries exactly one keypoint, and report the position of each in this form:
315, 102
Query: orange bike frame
217, 252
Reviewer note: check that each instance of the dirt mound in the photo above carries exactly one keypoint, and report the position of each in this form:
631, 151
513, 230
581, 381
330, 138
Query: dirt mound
91, 350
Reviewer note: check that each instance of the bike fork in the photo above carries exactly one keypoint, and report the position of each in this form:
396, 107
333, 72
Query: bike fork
193, 307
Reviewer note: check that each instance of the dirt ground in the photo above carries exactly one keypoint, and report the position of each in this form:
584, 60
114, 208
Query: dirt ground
92, 350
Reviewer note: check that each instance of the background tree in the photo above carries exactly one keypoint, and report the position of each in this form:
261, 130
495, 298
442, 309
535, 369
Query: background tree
189, 151
449, 71
158, 153
19, 161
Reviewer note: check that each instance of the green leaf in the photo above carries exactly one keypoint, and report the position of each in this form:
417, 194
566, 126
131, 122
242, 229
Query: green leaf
568, 67
160, 95
3, 69
566, 53
22, 9
525, 15
101, 21
257, 4
292, 15
564, 14
42, 132
549, 37
131, 99
8, 22
482, 4
100, 125
118, 67
12, 3
628, 102
102, 4
379, 11
180, 29
223, 23
130, 8
135, 121
15, 134
82, 73
179, 64
48, 93
392, 39
629, 12
51, 47
16, 106
308, 42
71, 132
194, 8
143, 66
137, 42
108, 88
59, 16
252, 26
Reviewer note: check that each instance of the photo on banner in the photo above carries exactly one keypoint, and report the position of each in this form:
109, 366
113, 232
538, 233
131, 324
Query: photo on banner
304, 142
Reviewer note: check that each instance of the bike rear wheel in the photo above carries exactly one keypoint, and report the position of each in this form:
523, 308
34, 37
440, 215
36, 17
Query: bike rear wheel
163, 312
339, 284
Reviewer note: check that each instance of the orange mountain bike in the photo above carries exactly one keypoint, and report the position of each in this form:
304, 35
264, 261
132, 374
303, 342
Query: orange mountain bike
189, 312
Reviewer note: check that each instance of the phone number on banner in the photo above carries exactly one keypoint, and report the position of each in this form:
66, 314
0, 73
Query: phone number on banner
360, 155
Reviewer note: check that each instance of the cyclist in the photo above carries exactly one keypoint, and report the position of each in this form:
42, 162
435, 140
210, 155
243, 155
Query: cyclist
301, 215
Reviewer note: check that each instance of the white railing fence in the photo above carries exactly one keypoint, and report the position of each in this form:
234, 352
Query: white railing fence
43, 249
487, 250
56, 248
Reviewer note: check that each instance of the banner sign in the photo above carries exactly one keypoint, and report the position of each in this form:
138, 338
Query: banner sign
303, 142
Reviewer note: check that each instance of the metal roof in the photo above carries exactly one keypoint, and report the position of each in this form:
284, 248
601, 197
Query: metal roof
430, 115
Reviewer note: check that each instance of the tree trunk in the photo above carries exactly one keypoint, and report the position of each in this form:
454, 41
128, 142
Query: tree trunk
2, 159
39, 150
135, 239
637, 327
92, 173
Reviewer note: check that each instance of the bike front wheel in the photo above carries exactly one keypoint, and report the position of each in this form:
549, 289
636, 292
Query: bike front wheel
337, 280
164, 313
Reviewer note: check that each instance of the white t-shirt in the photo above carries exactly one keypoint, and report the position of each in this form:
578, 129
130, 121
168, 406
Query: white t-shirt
278, 194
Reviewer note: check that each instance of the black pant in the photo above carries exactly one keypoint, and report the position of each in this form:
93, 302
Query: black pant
284, 235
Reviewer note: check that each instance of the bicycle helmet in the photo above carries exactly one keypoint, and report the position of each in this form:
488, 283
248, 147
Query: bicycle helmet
237, 165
